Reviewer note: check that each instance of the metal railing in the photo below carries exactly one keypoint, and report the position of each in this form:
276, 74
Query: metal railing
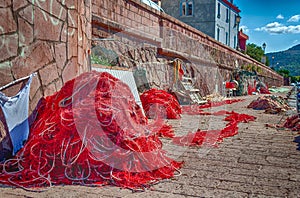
152, 4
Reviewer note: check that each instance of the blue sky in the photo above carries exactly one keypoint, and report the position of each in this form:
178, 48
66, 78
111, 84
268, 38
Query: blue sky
276, 22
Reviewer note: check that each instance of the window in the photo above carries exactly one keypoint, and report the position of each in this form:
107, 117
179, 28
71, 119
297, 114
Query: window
186, 8
235, 43
219, 10
218, 34
190, 8
227, 15
183, 10
226, 42
235, 21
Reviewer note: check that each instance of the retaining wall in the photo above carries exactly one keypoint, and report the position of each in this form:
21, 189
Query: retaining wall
49, 37
53, 38
134, 27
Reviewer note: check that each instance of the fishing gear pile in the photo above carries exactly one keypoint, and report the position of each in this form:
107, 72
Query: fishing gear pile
166, 131
160, 103
271, 104
91, 132
292, 122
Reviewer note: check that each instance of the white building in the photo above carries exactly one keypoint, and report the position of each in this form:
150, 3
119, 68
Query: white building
217, 18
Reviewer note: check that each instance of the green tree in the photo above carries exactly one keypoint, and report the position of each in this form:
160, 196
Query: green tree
295, 79
284, 72
256, 52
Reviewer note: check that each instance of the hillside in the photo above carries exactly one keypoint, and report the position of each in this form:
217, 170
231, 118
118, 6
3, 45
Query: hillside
288, 59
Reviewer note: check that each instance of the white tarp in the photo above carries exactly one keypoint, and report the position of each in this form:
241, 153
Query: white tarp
126, 77
152, 4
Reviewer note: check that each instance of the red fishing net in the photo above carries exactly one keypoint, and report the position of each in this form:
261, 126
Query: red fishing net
230, 85
166, 131
159, 101
91, 132
264, 90
292, 122
211, 137
251, 89
236, 117
271, 104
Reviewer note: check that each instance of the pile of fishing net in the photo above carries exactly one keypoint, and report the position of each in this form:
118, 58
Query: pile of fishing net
212, 137
258, 87
292, 122
156, 102
271, 104
263, 88
91, 132
251, 89
166, 131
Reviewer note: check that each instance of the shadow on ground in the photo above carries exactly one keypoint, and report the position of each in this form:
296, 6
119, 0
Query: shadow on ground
297, 140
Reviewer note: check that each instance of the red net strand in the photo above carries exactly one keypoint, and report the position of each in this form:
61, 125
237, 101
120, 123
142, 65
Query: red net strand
212, 137
292, 122
166, 131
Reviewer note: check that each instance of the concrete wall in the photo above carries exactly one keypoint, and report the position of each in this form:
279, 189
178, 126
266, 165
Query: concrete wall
136, 28
49, 37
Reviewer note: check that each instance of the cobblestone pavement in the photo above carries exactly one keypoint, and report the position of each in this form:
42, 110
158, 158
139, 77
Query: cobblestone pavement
257, 162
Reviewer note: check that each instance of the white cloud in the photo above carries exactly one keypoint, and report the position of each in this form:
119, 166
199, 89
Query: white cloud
278, 28
245, 29
295, 18
280, 16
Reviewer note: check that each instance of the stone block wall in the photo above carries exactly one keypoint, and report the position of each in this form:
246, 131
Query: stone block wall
49, 37
212, 62
128, 15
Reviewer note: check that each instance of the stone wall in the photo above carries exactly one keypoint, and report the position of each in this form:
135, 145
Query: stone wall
133, 27
49, 37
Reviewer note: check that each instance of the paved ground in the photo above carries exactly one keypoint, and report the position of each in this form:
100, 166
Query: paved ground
258, 162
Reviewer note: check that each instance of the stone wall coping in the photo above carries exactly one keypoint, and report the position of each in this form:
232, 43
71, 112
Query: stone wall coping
125, 31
